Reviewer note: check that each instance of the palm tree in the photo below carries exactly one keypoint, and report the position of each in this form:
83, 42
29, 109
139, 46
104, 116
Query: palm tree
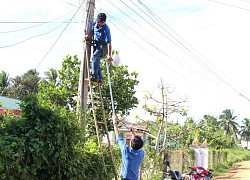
245, 130
228, 124
51, 75
4, 82
25, 84
210, 122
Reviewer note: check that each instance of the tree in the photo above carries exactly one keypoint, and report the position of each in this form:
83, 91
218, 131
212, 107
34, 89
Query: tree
228, 124
207, 126
48, 136
245, 130
39, 143
209, 130
47, 143
64, 93
4, 83
51, 75
211, 122
163, 107
123, 87
26, 84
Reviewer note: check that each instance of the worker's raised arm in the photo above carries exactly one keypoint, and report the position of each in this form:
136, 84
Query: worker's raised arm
132, 129
115, 123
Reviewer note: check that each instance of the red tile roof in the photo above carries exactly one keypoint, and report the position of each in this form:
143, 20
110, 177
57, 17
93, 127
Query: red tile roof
16, 112
137, 127
129, 135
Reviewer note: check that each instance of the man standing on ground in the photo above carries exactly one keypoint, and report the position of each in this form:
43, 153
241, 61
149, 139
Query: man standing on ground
102, 45
131, 156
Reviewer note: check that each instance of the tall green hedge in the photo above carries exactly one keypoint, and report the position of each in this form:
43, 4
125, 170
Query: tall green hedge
42, 143
46, 143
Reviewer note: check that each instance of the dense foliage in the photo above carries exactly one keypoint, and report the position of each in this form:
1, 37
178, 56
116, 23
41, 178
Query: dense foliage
22, 85
46, 142
62, 90
43, 143
167, 135
4, 83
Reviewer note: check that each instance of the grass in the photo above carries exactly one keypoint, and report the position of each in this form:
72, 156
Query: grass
235, 155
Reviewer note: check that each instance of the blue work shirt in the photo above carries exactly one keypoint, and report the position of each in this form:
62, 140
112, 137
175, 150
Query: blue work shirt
101, 34
131, 160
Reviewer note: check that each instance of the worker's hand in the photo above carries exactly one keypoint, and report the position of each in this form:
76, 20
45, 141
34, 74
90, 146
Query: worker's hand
131, 127
110, 58
115, 119
86, 37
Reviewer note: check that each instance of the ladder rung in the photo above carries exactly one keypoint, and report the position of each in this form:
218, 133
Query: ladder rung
99, 122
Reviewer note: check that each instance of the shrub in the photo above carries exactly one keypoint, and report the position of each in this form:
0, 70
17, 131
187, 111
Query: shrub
43, 143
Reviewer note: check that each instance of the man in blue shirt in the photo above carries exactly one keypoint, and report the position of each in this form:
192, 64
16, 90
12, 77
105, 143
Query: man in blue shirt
102, 45
131, 156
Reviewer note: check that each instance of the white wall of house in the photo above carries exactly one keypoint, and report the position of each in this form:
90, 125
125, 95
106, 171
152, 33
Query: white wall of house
245, 144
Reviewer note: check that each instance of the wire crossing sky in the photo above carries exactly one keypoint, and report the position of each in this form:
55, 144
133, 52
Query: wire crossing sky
198, 46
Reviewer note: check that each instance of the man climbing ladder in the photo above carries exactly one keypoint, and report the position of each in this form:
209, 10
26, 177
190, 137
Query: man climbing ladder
101, 37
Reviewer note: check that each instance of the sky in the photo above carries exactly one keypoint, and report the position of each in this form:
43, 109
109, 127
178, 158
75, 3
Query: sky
199, 47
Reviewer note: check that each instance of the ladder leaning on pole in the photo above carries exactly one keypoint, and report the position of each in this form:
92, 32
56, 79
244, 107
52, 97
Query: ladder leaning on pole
95, 105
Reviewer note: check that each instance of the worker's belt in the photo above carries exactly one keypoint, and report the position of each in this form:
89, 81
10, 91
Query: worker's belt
97, 43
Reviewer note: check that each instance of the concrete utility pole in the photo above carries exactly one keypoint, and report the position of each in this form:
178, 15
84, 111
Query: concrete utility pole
83, 79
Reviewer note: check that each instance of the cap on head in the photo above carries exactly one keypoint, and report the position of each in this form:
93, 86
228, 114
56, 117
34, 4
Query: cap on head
101, 17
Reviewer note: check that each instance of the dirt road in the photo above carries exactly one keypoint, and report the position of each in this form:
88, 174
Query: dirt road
239, 171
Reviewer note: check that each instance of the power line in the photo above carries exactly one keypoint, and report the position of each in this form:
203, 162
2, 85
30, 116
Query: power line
41, 23
212, 71
59, 36
125, 26
139, 45
7, 46
185, 50
138, 34
196, 58
147, 40
42, 34
34, 22
151, 24
230, 5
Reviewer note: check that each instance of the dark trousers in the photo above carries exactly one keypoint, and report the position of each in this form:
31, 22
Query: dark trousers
99, 53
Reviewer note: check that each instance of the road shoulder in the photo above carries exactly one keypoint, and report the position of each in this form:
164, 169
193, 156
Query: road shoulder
239, 171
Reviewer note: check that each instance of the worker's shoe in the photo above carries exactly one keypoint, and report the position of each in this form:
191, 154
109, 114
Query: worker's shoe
100, 81
94, 80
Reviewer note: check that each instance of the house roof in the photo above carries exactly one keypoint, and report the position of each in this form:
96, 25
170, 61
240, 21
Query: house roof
9, 103
135, 126
129, 134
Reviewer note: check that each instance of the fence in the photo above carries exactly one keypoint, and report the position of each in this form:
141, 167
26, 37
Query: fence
182, 159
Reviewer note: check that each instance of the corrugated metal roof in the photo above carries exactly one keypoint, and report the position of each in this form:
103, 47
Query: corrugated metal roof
9, 103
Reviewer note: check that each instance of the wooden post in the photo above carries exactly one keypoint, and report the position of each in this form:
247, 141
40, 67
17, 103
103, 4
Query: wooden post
83, 79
